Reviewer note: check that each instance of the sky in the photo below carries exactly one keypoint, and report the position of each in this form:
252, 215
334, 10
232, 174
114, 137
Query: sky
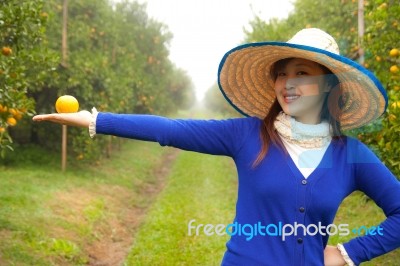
204, 30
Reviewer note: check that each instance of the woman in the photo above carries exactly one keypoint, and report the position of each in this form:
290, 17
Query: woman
294, 165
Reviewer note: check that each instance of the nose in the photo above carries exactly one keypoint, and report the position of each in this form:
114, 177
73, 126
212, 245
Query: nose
290, 84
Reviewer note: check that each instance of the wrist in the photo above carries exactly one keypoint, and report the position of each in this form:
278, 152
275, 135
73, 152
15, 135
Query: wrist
92, 123
344, 254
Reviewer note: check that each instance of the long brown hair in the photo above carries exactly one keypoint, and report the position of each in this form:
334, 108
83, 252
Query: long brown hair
329, 112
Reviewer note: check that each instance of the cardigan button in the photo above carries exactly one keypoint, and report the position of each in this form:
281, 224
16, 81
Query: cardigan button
299, 240
304, 182
302, 209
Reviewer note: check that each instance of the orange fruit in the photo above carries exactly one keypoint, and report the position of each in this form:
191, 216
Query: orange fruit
392, 117
383, 6
67, 104
394, 52
44, 15
396, 105
6, 50
3, 109
394, 69
18, 115
12, 111
11, 121
2, 130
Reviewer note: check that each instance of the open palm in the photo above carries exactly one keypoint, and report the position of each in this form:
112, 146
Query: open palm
79, 119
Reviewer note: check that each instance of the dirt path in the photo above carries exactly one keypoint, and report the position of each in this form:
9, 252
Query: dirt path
111, 214
118, 235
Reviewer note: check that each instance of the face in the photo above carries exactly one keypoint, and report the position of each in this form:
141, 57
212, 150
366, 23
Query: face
301, 89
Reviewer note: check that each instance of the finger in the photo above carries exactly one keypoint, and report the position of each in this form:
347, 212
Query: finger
39, 118
44, 117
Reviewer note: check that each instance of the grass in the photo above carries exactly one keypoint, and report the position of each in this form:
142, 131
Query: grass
51, 218
205, 194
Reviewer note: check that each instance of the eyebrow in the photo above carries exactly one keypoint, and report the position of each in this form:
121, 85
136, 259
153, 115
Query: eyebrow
303, 64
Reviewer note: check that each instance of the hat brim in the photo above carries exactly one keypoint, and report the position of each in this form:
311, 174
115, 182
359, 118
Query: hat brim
244, 80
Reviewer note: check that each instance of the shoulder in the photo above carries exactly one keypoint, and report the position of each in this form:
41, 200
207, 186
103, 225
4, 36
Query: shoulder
356, 151
247, 119
243, 123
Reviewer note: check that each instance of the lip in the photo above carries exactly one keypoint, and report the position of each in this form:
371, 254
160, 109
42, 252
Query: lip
289, 98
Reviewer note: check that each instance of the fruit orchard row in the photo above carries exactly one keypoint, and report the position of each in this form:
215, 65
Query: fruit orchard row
116, 60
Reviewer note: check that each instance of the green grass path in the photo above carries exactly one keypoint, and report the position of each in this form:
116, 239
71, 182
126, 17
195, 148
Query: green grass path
200, 187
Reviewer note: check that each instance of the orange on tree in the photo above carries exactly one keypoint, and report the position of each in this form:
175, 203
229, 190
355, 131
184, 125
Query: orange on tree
18, 115
67, 104
392, 117
396, 105
3, 108
394, 69
382, 6
44, 15
394, 52
11, 121
13, 111
6, 51
2, 130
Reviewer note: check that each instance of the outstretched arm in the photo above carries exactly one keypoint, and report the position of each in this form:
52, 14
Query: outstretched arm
217, 137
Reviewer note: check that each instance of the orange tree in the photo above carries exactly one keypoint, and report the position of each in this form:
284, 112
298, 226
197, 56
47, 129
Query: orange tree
24, 62
117, 61
383, 57
310, 13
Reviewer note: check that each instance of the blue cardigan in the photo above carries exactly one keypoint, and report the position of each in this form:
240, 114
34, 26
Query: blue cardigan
275, 193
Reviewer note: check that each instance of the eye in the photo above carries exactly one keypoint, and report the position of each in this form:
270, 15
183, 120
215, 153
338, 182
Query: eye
281, 74
301, 73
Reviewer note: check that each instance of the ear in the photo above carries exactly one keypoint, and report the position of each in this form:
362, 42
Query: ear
327, 88
327, 85
331, 82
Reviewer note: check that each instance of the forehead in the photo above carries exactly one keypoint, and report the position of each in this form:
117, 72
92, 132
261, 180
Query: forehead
302, 62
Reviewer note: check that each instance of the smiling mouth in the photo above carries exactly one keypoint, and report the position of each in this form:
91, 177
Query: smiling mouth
291, 98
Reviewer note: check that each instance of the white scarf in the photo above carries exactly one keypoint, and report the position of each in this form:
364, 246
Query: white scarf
305, 135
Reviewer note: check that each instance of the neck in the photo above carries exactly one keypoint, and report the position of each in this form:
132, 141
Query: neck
310, 120
305, 135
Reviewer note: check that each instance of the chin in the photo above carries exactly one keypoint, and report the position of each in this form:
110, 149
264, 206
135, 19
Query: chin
287, 111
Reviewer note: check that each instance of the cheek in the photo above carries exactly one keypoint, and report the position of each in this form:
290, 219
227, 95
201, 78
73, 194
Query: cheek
279, 86
309, 90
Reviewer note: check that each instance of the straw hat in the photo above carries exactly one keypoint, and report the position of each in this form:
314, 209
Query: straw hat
245, 81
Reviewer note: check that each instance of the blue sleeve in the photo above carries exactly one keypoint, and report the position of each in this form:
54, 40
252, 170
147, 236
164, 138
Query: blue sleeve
378, 183
217, 137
